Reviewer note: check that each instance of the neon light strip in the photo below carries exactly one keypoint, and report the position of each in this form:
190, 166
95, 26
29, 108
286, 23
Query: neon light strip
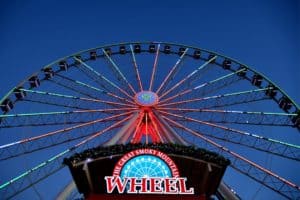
220, 78
74, 97
136, 69
81, 84
168, 131
155, 127
94, 88
171, 71
230, 129
189, 76
61, 154
96, 135
130, 128
202, 85
123, 132
65, 112
147, 132
103, 77
154, 67
33, 169
137, 128
223, 149
63, 130
215, 97
227, 111
119, 71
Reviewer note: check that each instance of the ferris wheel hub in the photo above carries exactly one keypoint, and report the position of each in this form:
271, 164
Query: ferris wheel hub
146, 98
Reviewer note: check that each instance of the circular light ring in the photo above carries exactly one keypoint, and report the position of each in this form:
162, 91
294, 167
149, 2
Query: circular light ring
146, 98
146, 163
146, 166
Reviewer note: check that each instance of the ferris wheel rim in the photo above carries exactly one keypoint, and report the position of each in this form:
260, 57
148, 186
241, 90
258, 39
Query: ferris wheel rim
284, 94
75, 55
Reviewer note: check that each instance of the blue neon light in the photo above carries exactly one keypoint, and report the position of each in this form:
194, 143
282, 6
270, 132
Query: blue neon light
146, 166
146, 98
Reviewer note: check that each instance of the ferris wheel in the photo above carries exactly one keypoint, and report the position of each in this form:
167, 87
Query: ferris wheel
149, 92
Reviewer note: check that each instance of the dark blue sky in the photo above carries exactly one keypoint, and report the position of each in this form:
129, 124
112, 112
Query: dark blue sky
263, 34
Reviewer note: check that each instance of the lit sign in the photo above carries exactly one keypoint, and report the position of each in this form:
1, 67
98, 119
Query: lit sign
147, 171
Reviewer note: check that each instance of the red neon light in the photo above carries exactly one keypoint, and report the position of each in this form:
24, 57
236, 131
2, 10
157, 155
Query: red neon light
155, 185
146, 126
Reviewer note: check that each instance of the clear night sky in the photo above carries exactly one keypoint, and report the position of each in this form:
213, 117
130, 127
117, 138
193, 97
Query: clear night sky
264, 34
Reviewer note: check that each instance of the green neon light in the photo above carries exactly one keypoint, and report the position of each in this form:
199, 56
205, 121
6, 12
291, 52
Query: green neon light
58, 155
33, 114
7, 95
151, 42
227, 75
33, 169
97, 73
285, 143
48, 93
114, 65
132, 53
201, 67
244, 92
92, 87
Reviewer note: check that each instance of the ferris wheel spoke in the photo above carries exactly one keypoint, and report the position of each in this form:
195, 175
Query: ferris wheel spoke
190, 77
137, 128
77, 86
239, 117
154, 67
22, 182
136, 69
223, 100
118, 72
209, 87
171, 73
126, 136
249, 168
67, 101
261, 143
167, 130
55, 118
99, 78
203, 99
156, 130
58, 100
85, 89
57, 137
123, 134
